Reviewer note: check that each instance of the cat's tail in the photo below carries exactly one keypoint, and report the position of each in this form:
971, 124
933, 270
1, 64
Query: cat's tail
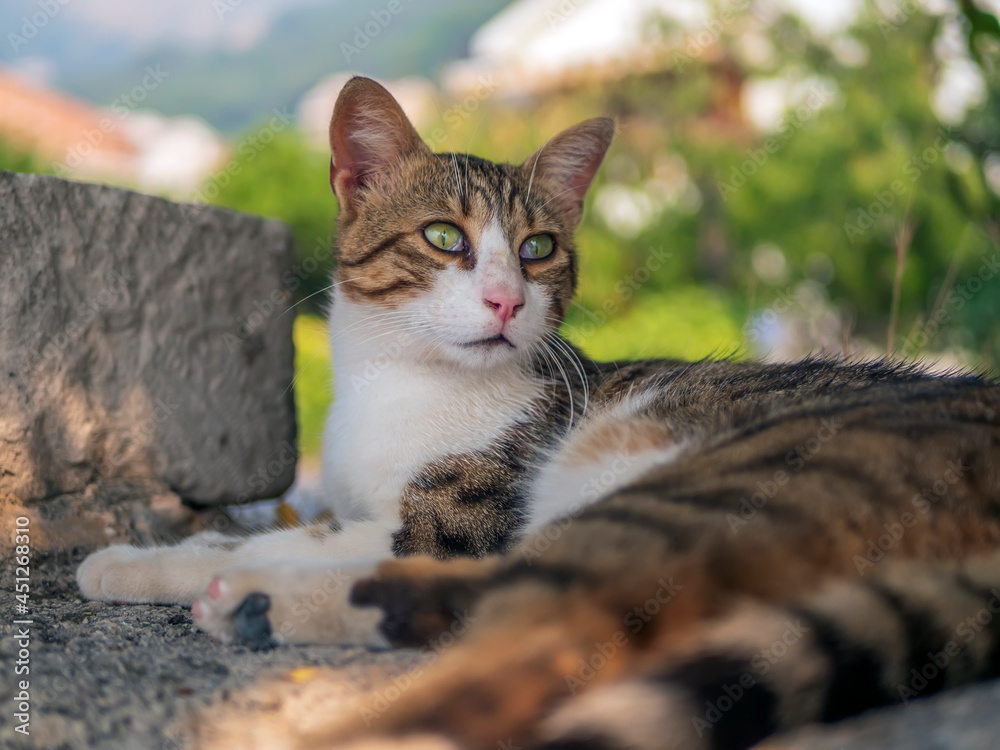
906, 631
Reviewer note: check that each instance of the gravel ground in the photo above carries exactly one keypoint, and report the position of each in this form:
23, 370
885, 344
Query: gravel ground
115, 676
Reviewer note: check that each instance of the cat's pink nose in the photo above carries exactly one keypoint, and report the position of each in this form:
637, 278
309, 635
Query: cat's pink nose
504, 304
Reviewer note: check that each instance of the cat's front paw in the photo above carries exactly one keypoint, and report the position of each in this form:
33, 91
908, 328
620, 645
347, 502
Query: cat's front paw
290, 603
113, 574
151, 575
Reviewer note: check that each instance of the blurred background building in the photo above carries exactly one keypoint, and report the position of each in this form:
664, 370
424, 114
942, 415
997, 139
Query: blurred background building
789, 176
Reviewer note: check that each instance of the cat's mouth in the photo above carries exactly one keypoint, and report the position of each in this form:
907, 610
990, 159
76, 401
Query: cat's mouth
498, 340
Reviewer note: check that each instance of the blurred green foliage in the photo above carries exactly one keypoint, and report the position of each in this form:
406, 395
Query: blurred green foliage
313, 381
284, 179
15, 159
747, 219
230, 86
734, 224
701, 231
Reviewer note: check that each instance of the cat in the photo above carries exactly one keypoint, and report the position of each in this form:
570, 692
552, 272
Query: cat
644, 554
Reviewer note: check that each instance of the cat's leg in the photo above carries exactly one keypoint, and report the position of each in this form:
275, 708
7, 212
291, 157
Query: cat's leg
280, 566
610, 450
290, 601
420, 597
173, 574
550, 665
498, 669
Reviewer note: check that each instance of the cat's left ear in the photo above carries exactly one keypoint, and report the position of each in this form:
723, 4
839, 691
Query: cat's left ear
570, 160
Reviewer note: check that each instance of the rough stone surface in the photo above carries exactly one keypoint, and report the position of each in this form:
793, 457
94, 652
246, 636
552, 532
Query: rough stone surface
962, 719
138, 677
141, 339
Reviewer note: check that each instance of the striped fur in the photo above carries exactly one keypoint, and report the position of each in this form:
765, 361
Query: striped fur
842, 514
675, 613
652, 554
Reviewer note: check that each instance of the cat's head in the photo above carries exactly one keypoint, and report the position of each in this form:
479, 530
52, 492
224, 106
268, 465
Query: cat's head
473, 261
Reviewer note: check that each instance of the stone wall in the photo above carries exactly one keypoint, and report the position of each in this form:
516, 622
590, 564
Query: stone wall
141, 340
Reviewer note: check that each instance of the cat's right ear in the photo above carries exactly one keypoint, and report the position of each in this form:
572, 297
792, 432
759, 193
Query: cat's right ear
369, 135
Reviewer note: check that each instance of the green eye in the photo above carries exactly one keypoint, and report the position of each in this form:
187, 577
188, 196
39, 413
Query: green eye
444, 237
537, 247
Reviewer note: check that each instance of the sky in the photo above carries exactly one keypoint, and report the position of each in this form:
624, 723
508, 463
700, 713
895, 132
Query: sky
149, 22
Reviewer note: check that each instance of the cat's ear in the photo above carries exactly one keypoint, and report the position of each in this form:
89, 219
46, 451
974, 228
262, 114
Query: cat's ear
570, 160
369, 135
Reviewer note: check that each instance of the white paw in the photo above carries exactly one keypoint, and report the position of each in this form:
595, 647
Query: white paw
214, 610
112, 574
154, 575
286, 603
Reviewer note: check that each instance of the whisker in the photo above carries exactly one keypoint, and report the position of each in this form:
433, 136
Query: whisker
324, 289
547, 361
593, 317
529, 356
468, 149
396, 331
531, 177
299, 372
369, 320
458, 175
546, 202
578, 366
454, 159
569, 388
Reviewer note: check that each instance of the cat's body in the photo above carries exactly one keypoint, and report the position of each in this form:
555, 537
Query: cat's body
683, 512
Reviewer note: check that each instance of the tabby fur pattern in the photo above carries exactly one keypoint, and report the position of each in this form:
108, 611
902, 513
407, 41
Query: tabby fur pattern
637, 544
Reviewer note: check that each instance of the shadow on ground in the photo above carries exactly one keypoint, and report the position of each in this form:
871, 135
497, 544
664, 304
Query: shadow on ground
135, 676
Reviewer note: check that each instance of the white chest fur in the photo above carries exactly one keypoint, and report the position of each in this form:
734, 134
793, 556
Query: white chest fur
394, 413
